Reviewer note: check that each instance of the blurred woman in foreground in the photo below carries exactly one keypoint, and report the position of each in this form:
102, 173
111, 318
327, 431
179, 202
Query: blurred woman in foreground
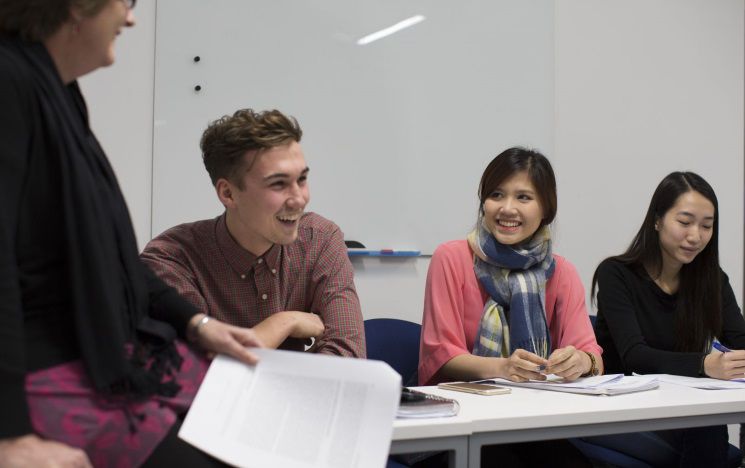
90, 367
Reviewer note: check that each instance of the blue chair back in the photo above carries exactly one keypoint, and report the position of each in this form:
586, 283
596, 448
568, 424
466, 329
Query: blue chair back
395, 342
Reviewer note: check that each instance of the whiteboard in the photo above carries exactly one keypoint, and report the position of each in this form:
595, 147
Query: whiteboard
396, 132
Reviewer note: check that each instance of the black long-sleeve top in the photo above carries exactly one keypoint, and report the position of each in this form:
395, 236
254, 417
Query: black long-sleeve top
636, 324
36, 321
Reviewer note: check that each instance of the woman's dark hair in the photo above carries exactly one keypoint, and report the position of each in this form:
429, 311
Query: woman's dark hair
513, 160
698, 317
36, 20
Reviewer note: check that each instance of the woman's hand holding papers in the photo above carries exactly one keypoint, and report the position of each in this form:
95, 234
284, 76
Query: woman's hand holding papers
215, 337
569, 363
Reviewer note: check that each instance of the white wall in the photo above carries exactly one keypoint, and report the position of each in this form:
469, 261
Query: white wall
391, 287
393, 87
635, 79
644, 88
120, 102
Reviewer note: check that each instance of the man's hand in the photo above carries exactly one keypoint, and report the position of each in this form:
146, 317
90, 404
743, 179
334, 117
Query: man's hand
31, 450
275, 329
219, 337
305, 325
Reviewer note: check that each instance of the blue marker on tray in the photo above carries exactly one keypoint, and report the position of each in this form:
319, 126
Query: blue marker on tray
354, 252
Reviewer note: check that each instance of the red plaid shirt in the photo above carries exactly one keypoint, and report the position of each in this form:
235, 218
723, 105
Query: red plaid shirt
208, 267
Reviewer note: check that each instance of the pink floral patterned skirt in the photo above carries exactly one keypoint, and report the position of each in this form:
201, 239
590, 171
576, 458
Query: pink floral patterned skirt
65, 407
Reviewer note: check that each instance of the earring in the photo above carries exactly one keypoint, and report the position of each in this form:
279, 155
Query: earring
75, 28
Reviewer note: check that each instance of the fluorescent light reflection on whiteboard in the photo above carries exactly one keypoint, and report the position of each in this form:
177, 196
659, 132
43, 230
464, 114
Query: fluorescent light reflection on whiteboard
408, 22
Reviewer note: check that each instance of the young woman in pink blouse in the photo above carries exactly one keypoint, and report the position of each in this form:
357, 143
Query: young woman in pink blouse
500, 303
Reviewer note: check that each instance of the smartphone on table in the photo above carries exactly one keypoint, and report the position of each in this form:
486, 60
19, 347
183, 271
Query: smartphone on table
477, 388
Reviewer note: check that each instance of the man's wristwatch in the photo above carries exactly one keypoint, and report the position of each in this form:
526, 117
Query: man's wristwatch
594, 369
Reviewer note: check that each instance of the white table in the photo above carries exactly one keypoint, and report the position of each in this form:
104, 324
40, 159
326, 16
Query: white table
435, 434
527, 415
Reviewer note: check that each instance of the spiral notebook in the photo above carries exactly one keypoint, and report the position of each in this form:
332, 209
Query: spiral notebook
416, 404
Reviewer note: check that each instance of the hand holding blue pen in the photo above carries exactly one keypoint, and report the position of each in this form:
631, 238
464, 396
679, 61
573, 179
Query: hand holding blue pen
521, 366
727, 366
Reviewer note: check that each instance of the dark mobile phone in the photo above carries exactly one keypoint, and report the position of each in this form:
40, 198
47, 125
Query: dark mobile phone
411, 395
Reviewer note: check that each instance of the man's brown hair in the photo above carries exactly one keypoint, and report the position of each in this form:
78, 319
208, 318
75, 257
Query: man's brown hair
230, 137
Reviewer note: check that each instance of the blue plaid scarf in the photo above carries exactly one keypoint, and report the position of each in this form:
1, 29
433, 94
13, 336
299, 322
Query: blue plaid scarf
515, 278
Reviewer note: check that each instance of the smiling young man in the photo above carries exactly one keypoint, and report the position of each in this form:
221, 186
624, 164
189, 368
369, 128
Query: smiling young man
264, 263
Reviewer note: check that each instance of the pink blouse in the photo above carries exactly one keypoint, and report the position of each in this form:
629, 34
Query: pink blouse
454, 302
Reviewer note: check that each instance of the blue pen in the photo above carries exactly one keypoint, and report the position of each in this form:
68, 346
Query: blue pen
720, 347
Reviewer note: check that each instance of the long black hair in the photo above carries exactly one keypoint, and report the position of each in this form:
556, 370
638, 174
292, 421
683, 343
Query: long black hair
699, 306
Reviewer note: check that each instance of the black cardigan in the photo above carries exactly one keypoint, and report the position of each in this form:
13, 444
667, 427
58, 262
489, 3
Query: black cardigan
635, 324
42, 320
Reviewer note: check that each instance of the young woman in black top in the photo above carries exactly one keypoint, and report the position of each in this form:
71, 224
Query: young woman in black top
661, 305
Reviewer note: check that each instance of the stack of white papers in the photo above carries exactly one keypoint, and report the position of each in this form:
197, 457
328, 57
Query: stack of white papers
610, 384
295, 410
700, 382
